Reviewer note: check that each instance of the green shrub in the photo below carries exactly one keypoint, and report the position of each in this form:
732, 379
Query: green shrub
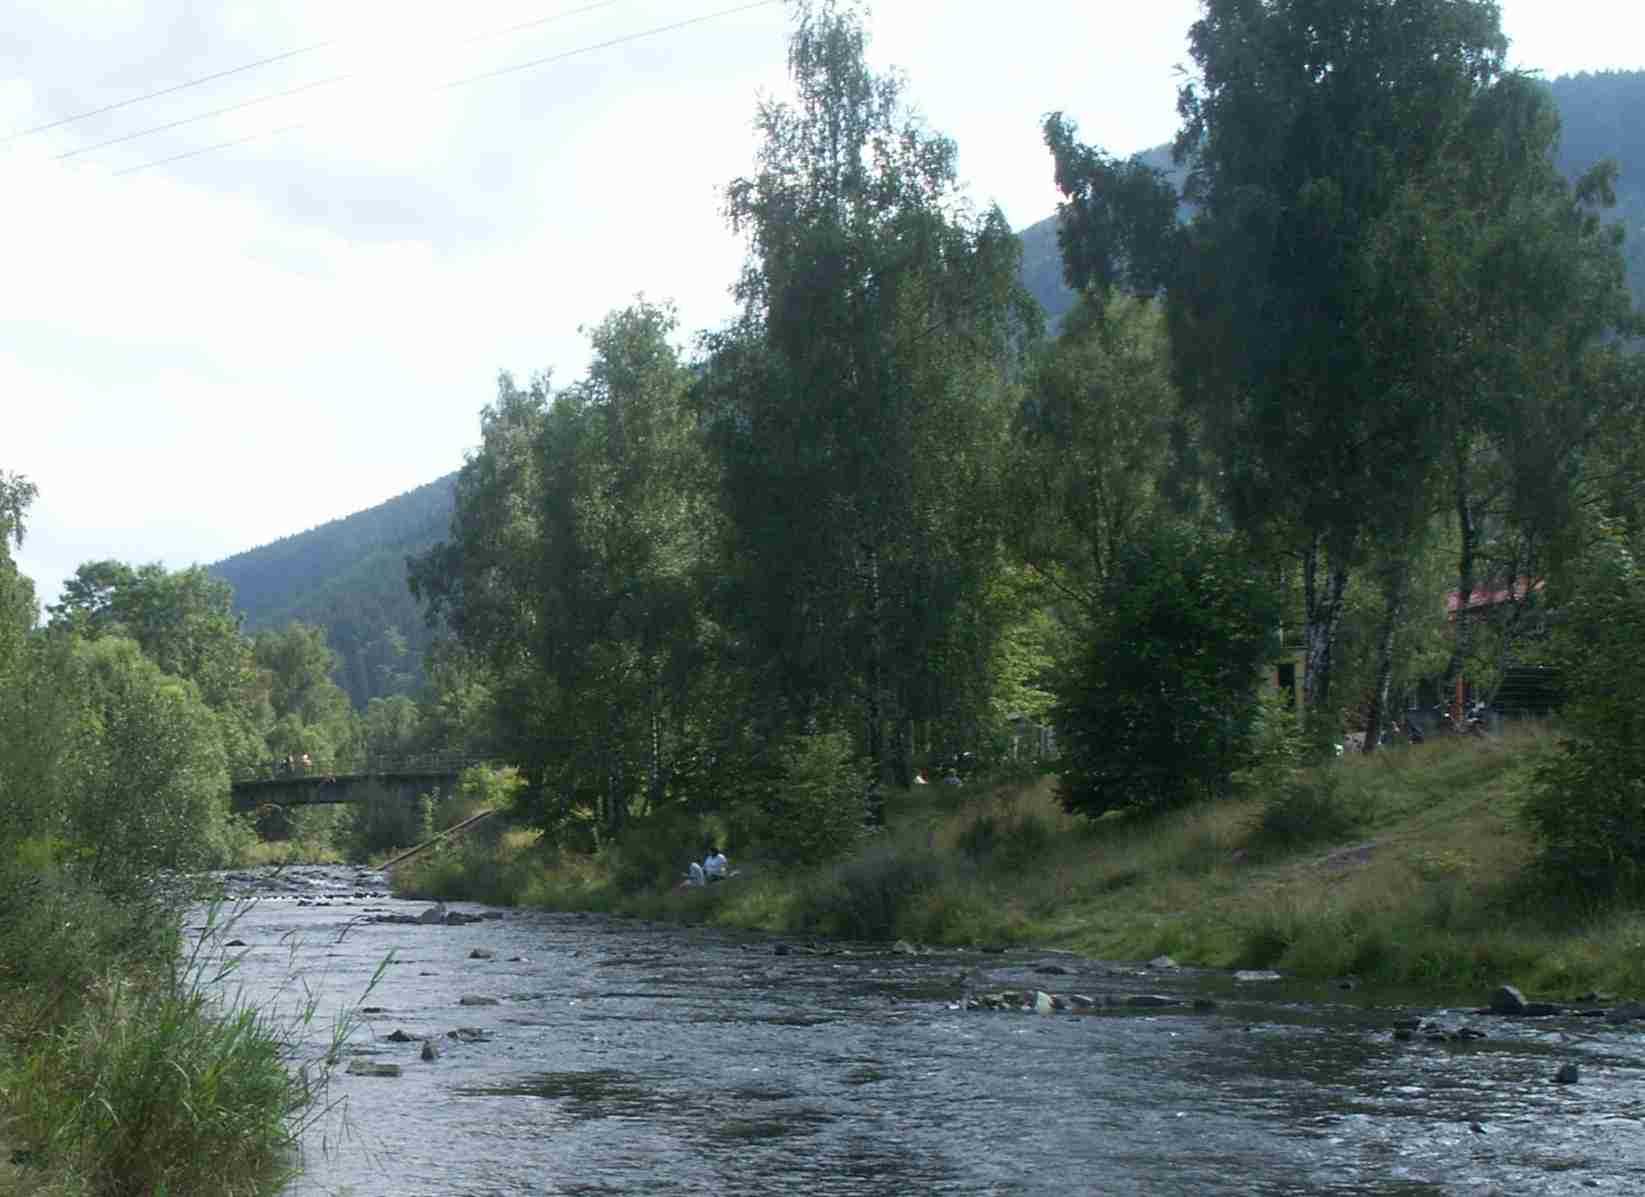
59, 937
1309, 807
1160, 709
815, 809
122, 1072
470, 870
868, 895
657, 850
1587, 803
1011, 842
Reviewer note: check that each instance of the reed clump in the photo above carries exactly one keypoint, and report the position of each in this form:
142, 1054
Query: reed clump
122, 1071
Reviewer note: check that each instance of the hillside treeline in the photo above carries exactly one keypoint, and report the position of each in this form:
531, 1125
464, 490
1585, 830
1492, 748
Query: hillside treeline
878, 525
348, 578
1364, 346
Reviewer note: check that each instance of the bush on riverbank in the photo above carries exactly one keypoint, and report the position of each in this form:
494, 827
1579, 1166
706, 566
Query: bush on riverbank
119, 1072
1413, 865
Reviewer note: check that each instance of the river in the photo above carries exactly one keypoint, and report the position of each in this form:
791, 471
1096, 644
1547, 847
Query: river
627, 1057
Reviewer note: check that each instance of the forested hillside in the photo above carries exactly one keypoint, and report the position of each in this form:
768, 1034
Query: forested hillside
1599, 119
348, 577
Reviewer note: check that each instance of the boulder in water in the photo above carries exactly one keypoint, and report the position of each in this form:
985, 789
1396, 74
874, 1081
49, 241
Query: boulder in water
359, 1067
434, 914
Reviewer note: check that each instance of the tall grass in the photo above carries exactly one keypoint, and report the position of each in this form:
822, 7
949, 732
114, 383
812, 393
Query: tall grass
122, 1071
1410, 866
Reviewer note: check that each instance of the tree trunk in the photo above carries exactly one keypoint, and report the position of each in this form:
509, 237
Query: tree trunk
1322, 609
1462, 637
875, 805
1392, 613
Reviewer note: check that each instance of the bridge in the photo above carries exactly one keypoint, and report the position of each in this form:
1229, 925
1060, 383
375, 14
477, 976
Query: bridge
295, 783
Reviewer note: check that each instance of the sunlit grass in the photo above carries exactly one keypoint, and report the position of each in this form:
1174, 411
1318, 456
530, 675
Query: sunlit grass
1428, 883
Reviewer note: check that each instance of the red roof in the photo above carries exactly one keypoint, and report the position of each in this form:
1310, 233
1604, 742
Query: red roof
1493, 594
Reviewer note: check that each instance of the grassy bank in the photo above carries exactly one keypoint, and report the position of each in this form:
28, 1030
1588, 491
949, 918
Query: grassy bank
1407, 867
120, 1071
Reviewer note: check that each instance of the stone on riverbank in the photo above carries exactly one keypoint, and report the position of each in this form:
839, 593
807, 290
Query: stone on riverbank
1568, 1074
434, 914
430, 1052
481, 954
400, 1036
1506, 999
477, 999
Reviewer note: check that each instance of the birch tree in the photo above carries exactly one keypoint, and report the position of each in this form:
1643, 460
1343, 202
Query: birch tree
860, 403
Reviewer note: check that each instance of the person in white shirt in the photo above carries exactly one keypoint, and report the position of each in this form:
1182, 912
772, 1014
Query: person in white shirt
714, 865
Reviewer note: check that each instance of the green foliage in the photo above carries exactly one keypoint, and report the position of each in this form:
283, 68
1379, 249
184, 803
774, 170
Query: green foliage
59, 937
1588, 804
1306, 808
348, 578
1161, 708
871, 894
655, 852
815, 809
139, 778
1008, 842
1386, 291
858, 410
184, 623
121, 1071
1093, 441
311, 713
589, 510
383, 821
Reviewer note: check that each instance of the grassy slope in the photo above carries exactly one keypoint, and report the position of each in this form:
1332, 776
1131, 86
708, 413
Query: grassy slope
1430, 888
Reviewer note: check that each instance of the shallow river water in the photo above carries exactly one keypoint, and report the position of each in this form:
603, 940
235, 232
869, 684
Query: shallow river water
624, 1057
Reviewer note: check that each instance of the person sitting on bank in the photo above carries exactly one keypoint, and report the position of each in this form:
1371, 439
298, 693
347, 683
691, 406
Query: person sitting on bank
714, 866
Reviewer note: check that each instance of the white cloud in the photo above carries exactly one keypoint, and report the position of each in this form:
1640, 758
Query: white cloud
204, 356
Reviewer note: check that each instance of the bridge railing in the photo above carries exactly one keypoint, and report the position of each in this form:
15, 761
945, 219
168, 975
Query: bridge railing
296, 768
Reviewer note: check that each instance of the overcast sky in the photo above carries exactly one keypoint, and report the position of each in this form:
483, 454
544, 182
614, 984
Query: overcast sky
201, 355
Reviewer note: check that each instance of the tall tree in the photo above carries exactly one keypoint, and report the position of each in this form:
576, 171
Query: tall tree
184, 621
573, 571
311, 712
860, 403
1314, 323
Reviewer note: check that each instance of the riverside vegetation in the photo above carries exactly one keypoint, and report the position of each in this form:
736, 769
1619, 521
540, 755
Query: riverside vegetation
1414, 867
878, 521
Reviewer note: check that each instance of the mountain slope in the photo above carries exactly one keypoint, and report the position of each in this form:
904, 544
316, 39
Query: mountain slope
349, 578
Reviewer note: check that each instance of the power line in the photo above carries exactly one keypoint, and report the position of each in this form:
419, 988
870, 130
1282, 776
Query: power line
204, 116
606, 45
286, 94
164, 91
484, 75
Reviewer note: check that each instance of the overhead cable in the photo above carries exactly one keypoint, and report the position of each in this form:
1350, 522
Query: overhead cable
257, 100
164, 91
476, 78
